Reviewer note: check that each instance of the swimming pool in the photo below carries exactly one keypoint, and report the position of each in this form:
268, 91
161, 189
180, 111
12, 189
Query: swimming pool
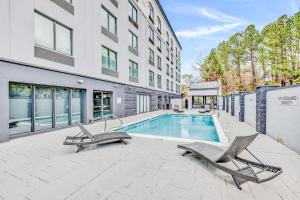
194, 127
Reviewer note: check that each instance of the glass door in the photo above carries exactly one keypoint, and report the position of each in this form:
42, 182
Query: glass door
61, 107
20, 108
43, 108
102, 104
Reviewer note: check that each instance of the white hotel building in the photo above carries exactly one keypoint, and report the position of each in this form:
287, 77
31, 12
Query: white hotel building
63, 61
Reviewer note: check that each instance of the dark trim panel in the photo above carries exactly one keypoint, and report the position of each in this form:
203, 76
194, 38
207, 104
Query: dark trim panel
110, 72
132, 50
64, 5
109, 34
43, 53
115, 2
133, 79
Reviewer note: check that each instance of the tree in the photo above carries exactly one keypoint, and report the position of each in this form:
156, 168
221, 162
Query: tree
251, 42
237, 55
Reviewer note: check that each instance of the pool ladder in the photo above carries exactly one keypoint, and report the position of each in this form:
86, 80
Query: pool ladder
111, 116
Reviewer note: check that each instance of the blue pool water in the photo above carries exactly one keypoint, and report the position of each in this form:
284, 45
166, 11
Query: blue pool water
195, 127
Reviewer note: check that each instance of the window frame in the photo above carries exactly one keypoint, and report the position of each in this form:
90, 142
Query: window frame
132, 36
151, 52
151, 80
151, 35
133, 8
55, 23
109, 52
108, 22
151, 13
158, 24
133, 64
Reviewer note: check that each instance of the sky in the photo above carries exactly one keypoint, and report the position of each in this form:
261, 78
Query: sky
201, 25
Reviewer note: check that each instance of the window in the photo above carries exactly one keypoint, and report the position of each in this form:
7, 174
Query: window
133, 17
133, 41
51, 34
171, 72
159, 81
171, 86
109, 59
133, 69
168, 54
159, 44
168, 69
172, 58
151, 78
109, 21
158, 25
172, 44
168, 85
151, 13
168, 37
151, 56
151, 35
158, 62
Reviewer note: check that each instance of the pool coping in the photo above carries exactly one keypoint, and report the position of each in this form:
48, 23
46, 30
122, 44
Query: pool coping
222, 137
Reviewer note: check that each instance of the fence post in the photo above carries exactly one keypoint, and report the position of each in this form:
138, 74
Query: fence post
261, 107
227, 101
232, 104
242, 106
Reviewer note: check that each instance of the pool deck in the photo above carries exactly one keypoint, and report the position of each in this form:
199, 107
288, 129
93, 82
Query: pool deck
40, 167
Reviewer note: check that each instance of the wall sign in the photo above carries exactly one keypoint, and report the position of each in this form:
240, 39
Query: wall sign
288, 100
119, 100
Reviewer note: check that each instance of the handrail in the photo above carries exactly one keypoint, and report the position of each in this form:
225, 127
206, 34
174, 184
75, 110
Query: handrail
113, 117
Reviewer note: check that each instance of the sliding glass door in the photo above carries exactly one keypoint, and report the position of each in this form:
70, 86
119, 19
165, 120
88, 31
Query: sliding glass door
34, 107
143, 103
77, 105
43, 108
61, 107
20, 108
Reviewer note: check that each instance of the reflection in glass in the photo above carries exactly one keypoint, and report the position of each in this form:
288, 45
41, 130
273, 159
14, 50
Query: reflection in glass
43, 108
106, 104
77, 107
20, 102
63, 39
61, 107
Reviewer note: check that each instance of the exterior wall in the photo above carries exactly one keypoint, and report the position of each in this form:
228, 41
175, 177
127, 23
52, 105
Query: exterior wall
229, 104
237, 105
212, 92
250, 109
11, 72
283, 121
18, 17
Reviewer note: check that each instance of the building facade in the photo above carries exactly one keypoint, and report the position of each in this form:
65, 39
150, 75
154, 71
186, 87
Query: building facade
204, 93
63, 61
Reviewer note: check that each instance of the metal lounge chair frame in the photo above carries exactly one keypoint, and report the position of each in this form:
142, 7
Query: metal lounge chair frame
215, 155
85, 138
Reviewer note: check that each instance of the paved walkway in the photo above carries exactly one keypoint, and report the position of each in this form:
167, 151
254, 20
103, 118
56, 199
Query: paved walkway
40, 167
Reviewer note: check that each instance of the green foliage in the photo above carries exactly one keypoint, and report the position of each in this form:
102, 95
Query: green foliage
251, 58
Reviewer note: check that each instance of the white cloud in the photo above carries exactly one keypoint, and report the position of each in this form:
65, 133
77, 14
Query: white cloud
228, 22
208, 30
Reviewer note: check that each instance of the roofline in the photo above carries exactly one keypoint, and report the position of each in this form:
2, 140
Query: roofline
167, 20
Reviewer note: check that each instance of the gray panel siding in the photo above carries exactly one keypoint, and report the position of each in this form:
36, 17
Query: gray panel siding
43, 53
109, 34
12, 72
110, 72
64, 5
132, 50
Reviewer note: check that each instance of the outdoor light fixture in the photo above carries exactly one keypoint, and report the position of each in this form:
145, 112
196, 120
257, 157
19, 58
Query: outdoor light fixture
80, 82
